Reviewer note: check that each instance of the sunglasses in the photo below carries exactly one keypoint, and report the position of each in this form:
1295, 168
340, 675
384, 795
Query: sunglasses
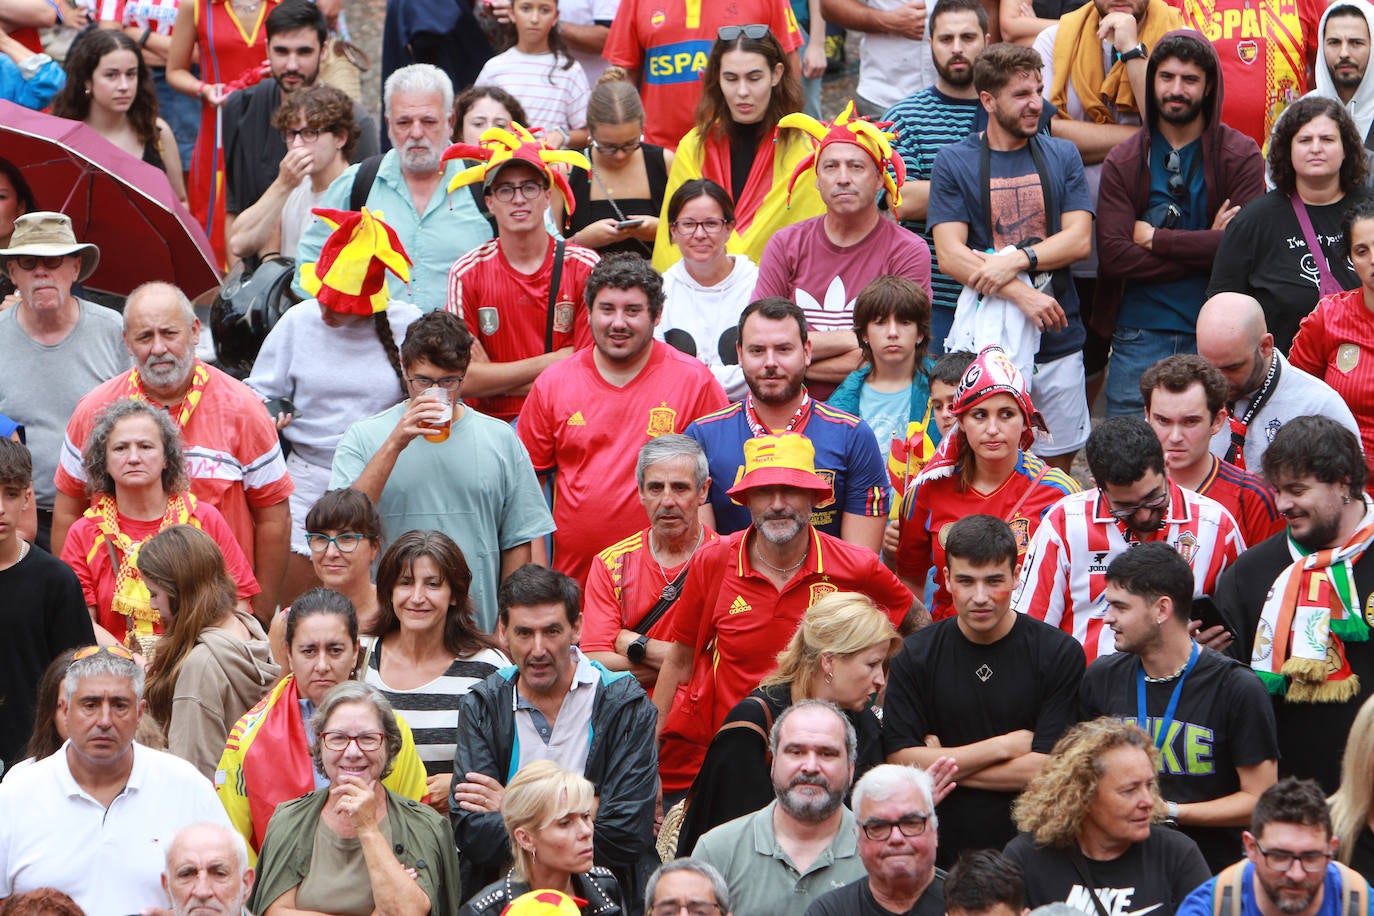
31, 261
91, 651
754, 32
1173, 164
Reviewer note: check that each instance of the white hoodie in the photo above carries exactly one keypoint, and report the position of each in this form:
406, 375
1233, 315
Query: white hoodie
1361, 104
700, 320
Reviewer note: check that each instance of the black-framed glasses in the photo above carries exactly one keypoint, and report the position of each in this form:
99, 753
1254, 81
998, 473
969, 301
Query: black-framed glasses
910, 826
709, 226
346, 542
754, 31
506, 192
31, 261
367, 741
448, 382
1173, 164
678, 907
610, 149
308, 134
1154, 504
1282, 860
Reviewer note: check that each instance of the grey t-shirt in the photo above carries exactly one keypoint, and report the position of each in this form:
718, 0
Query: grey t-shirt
40, 385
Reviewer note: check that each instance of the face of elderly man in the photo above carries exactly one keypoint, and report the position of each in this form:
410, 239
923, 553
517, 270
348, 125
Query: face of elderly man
102, 715
204, 875
46, 285
896, 837
671, 497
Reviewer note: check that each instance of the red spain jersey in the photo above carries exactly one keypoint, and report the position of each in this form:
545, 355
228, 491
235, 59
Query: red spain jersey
668, 42
1335, 343
932, 506
1065, 571
589, 433
737, 621
1247, 497
507, 311
623, 583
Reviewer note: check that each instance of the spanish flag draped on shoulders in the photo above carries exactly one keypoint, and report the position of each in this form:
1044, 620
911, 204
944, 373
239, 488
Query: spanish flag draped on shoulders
267, 761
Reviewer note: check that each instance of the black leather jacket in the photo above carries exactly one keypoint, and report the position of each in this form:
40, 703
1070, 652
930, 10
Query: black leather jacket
598, 887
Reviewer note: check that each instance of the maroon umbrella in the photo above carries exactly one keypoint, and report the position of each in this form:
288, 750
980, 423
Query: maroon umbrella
115, 201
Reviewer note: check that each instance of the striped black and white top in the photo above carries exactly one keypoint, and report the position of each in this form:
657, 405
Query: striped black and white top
431, 710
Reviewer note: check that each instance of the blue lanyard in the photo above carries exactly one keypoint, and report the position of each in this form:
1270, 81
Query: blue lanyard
1142, 715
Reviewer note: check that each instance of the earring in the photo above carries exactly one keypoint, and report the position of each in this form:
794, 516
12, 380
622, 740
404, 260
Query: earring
830, 679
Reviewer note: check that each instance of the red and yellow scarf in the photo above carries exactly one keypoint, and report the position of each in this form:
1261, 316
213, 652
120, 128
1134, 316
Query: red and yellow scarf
200, 377
131, 599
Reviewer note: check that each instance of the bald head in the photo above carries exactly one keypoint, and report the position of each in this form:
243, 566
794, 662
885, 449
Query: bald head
207, 872
1232, 335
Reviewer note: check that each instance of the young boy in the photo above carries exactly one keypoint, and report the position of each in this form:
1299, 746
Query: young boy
944, 383
984, 883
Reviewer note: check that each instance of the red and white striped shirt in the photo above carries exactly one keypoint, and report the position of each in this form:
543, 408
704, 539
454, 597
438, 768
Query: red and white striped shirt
1065, 570
157, 15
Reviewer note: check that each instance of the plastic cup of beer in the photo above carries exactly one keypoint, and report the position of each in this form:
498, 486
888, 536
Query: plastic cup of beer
439, 426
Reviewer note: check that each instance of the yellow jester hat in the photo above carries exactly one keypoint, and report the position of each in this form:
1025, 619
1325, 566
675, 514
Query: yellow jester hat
350, 275
498, 146
863, 133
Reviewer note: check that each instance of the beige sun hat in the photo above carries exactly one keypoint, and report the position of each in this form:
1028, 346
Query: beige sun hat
45, 234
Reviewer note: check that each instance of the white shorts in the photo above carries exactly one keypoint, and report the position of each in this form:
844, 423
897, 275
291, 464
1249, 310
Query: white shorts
1058, 393
311, 483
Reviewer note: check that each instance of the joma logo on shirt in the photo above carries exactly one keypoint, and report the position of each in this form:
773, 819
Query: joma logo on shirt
1115, 900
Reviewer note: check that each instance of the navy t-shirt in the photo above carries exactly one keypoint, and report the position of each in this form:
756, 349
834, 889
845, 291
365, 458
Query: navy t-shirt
1018, 205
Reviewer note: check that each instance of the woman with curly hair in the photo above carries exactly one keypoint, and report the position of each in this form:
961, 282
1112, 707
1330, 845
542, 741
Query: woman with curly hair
110, 89
1088, 823
1318, 167
137, 481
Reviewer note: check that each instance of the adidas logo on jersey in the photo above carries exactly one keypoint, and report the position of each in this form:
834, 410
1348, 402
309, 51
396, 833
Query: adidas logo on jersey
577, 419
739, 605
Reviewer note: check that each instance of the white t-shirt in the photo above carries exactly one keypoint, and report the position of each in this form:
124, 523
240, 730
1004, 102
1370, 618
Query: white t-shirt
893, 67
110, 861
296, 215
588, 12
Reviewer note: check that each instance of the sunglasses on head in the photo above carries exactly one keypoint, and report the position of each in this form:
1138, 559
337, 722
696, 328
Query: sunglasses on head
90, 651
754, 32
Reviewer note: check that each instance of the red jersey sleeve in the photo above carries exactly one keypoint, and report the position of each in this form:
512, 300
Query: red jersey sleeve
74, 552
1043, 591
888, 592
913, 542
70, 477
536, 428
689, 620
600, 610
784, 26
235, 563
1311, 350
1230, 546
623, 47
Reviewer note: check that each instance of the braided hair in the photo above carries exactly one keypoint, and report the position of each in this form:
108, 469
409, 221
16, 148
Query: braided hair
393, 355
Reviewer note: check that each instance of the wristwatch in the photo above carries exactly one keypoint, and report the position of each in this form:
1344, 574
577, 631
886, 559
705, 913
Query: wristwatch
1136, 53
1170, 813
636, 650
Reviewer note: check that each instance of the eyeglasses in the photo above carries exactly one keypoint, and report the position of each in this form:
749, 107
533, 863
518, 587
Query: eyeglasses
1173, 164
90, 651
1152, 505
338, 741
611, 149
308, 134
690, 226
448, 382
754, 31
677, 907
31, 261
346, 542
1280, 860
911, 825
506, 192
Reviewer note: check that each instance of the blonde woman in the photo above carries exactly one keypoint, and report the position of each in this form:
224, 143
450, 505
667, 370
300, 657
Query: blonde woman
548, 816
840, 654
1090, 818
1352, 807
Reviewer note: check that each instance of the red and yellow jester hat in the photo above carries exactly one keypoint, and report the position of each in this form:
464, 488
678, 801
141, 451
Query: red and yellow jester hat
863, 133
350, 275
498, 146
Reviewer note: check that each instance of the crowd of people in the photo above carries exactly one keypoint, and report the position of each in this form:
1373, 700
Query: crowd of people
665, 498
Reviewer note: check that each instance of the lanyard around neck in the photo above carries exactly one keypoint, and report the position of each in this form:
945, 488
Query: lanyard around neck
1142, 713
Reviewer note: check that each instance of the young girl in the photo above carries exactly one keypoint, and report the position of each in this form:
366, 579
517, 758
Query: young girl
542, 75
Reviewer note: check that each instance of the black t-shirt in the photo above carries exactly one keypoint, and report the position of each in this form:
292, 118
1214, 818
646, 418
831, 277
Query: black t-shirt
962, 692
1264, 254
856, 899
1362, 856
42, 614
1224, 720
254, 149
1311, 735
1151, 877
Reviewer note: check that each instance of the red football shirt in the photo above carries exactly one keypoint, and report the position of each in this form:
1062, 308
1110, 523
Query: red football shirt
589, 433
1336, 344
507, 311
747, 621
668, 42
1247, 497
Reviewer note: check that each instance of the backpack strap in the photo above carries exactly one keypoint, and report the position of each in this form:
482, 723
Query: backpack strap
1355, 888
1226, 892
363, 180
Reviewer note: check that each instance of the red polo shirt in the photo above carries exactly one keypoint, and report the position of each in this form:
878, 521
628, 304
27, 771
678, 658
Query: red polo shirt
750, 620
